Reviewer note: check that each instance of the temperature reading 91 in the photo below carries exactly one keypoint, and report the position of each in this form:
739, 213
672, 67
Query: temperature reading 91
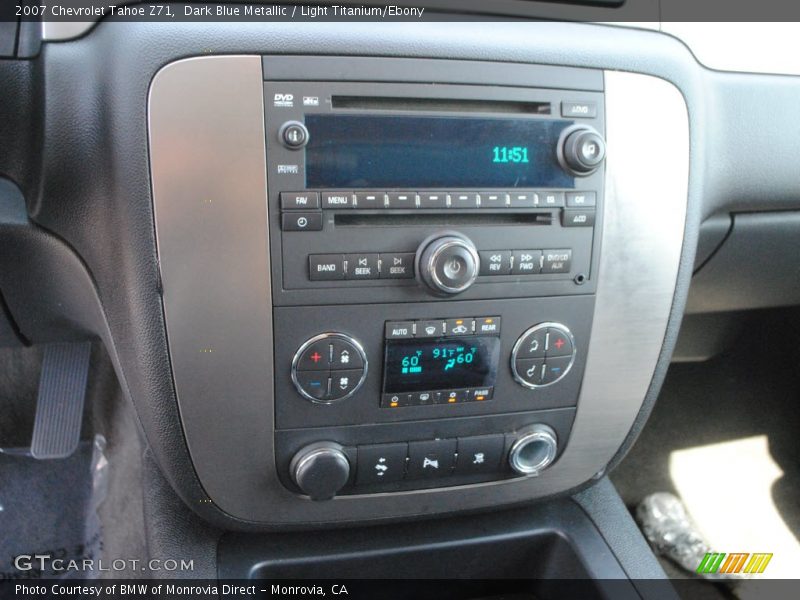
451, 357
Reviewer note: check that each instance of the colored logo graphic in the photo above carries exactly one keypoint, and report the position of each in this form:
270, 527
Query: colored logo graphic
741, 562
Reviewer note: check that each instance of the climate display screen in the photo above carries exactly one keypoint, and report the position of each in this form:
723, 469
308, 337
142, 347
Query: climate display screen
356, 151
440, 364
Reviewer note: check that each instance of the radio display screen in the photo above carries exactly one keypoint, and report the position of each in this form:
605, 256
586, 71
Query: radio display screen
440, 364
377, 151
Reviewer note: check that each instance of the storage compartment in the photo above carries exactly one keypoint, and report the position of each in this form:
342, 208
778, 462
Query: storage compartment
544, 551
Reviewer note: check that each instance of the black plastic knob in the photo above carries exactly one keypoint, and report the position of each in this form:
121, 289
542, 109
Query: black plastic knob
582, 150
293, 135
448, 263
320, 470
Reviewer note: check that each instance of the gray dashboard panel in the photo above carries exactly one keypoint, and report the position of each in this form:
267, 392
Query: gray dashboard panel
95, 178
220, 334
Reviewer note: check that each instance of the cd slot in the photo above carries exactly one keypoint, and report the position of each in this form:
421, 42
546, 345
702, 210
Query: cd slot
382, 219
440, 105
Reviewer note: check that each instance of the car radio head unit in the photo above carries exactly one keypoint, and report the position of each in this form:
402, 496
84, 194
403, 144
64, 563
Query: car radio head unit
434, 262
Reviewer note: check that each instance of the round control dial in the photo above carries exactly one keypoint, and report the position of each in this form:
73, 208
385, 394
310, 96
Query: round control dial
543, 355
329, 367
320, 470
293, 135
448, 263
581, 150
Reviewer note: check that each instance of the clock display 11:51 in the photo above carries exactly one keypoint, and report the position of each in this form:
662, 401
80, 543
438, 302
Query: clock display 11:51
510, 154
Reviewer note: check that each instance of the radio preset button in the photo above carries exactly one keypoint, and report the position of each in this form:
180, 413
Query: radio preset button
495, 262
575, 217
523, 199
370, 199
362, 266
527, 262
337, 200
401, 200
432, 200
325, 267
581, 199
494, 200
299, 200
306, 221
399, 330
399, 265
463, 200
557, 261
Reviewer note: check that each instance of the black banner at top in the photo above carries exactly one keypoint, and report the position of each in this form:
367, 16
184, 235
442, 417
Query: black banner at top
646, 11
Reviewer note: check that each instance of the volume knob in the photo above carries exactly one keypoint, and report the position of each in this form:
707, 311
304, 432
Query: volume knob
581, 150
448, 263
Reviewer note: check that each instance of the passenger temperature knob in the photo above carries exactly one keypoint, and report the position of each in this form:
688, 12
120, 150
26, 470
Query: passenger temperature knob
448, 263
320, 470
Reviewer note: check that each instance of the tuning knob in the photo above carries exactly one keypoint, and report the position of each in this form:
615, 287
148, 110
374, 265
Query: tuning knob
581, 150
320, 470
448, 263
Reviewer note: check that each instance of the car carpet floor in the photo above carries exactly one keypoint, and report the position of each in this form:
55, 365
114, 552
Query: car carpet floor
738, 414
43, 508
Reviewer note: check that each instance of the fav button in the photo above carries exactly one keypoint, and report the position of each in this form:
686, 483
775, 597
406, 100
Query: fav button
299, 200
433, 458
381, 463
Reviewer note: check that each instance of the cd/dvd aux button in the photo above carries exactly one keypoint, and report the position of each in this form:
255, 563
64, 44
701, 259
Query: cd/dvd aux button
557, 261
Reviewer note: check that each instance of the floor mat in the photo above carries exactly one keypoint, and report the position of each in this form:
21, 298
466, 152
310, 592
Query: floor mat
723, 437
43, 509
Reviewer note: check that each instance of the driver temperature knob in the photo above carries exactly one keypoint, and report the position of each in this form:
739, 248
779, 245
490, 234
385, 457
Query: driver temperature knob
320, 470
448, 263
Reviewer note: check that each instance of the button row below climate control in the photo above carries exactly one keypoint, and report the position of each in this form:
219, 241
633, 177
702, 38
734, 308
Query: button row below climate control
402, 399
386, 463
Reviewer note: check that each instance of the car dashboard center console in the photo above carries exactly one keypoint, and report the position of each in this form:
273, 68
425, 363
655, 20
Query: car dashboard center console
396, 287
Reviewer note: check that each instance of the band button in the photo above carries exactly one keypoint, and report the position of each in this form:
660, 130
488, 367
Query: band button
325, 267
